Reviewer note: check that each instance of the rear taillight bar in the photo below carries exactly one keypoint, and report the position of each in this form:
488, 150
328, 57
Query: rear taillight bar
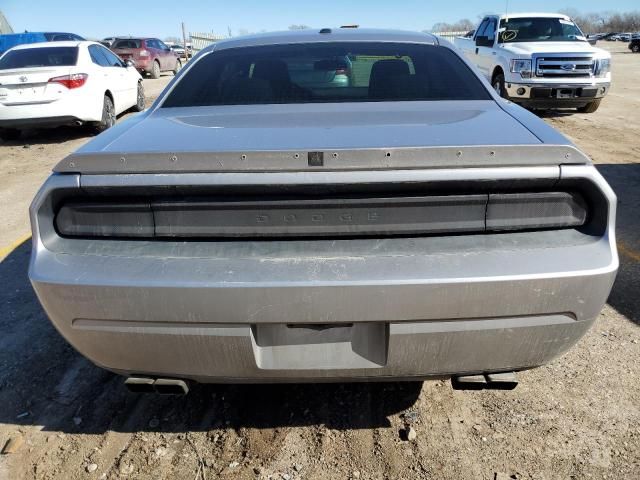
75, 80
322, 218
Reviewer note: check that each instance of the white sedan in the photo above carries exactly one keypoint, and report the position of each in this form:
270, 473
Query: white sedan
65, 83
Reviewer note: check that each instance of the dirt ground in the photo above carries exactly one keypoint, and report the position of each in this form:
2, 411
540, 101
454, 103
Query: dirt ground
578, 417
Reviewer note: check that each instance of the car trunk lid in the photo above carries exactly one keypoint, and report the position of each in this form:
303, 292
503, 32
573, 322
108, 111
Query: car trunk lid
372, 135
31, 85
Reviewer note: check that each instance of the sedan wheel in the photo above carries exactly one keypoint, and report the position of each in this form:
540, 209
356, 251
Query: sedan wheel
108, 115
155, 71
177, 67
140, 99
635, 48
498, 85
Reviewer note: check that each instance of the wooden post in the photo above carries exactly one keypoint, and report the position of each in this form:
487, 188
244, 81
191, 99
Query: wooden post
184, 43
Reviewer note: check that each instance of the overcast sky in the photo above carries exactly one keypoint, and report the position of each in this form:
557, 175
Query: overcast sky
161, 18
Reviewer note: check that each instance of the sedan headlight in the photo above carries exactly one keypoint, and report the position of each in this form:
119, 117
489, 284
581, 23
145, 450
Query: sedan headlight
604, 67
523, 67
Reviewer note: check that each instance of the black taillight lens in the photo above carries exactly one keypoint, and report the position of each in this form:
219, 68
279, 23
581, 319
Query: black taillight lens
90, 219
321, 218
525, 211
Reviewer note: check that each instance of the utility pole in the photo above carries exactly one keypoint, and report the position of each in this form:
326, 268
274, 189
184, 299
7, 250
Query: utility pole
184, 43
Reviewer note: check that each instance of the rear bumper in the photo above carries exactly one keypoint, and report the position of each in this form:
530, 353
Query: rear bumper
39, 122
64, 111
403, 350
144, 65
312, 310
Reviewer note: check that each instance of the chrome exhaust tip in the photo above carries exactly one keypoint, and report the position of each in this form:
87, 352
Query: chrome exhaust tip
163, 386
139, 384
168, 386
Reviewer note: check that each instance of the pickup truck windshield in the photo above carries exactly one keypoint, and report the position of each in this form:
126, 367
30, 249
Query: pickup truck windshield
539, 30
326, 72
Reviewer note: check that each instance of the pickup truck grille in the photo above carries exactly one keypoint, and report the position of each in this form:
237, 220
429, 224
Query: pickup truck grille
556, 67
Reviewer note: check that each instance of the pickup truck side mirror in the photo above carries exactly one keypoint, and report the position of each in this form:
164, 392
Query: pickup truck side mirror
484, 42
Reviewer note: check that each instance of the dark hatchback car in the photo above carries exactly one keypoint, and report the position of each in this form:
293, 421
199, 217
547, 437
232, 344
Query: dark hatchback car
150, 55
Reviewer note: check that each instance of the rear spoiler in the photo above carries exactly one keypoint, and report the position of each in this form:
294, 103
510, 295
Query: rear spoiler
323, 160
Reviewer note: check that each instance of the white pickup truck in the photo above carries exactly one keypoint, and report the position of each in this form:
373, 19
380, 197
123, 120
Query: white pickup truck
540, 61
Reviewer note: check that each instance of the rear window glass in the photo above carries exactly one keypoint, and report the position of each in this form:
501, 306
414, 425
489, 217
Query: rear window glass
39, 57
59, 37
127, 44
317, 73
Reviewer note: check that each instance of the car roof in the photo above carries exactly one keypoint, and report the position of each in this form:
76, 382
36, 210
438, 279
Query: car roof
17, 34
334, 35
136, 38
532, 15
66, 43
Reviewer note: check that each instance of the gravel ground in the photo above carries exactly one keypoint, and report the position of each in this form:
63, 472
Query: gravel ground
575, 418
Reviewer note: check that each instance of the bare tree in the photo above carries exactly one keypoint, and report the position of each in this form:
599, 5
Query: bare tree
459, 26
299, 27
592, 22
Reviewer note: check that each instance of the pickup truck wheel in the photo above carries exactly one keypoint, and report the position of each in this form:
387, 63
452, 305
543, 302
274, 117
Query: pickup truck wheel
9, 134
635, 48
140, 100
498, 85
177, 67
590, 107
155, 70
108, 115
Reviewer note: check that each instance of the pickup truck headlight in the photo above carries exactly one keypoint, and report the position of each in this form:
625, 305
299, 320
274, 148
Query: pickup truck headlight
523, 67
604, 67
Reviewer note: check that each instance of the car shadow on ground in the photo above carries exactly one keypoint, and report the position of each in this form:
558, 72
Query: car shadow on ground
45, 136
45, 382
556, 113
625, 181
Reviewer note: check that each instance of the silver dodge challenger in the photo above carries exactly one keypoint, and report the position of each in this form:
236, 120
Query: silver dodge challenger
406, 224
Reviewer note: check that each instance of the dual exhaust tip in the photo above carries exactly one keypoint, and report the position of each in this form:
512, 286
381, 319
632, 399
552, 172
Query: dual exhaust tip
172, 386
163, 386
